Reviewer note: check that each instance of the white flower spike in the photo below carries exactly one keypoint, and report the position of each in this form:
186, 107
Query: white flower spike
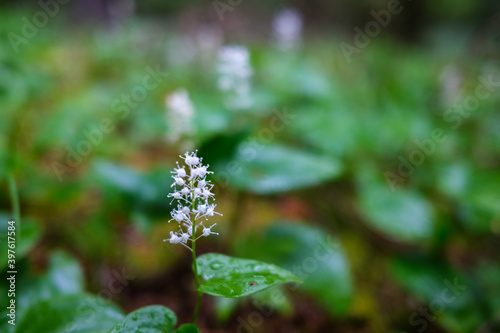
179, 117
287, 28
234, 72
194, 196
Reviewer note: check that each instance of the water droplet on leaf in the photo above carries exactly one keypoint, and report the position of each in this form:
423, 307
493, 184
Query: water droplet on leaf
215, 265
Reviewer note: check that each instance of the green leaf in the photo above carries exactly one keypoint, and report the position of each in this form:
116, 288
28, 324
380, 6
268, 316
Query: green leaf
63, 277
219, 150
65, 274
28, 233
149, 319
476, 193
188, 328
331, 132
123, 180
143, 194
443, 289
278, 168
480, 205
80, 313
234, 277
311, 253
225, 308
211, 118
400, 214
275, 298
306, 80
453, 179
487, 274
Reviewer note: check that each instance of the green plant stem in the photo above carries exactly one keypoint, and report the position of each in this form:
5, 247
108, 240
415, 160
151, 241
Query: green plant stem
14, 198
197, 308
195, 265
196, 277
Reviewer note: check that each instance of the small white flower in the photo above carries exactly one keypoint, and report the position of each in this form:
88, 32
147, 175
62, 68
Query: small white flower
179, 181
174, 239
206, 193
186, 210
202, 183
200, 172
179, 215
191, 159
208, 231
180, 172
184, 237
185, 191
211, 211
197, 192
189, 228
175, 195
200, 211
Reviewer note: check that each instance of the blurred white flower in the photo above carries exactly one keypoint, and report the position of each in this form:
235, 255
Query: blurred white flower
287, 28
209, 38
180, 116
451, 80
192, 191
234, 76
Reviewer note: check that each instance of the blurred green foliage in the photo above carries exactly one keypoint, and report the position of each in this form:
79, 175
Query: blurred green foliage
353, 124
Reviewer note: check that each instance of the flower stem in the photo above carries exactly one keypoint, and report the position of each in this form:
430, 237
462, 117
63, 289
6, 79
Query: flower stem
197, 308
195, 267
14, 198
196, 277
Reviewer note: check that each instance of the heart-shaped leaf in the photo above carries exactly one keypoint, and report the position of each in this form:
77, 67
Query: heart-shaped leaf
234, 277
63, 277
401, 214
318, 257
441, 287
81, 313
480, 205
331, 132
142, 194
124, 180
149, 319
278, 168
476, 193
